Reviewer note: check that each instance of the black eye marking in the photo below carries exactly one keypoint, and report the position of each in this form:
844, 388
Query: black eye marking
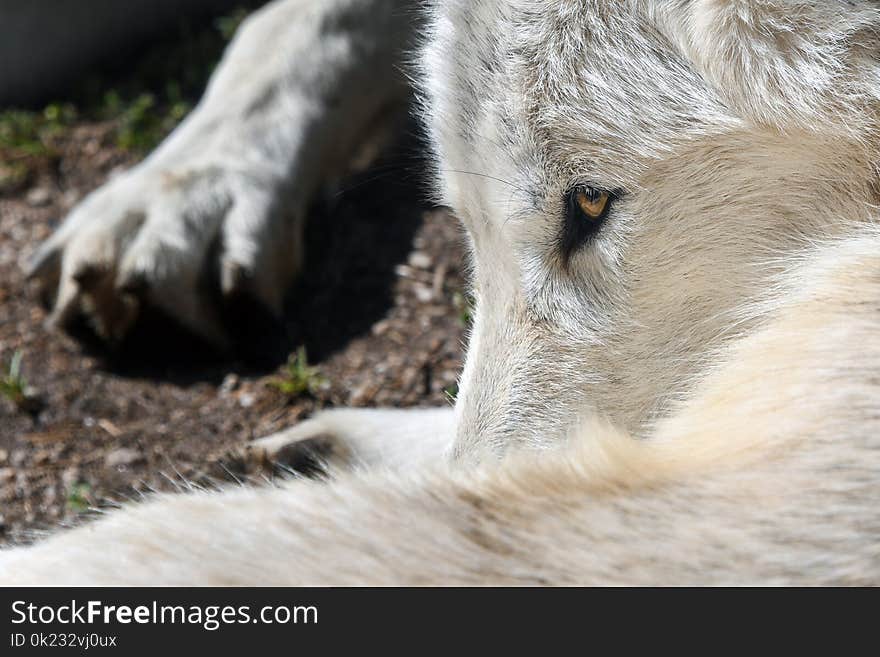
586, 208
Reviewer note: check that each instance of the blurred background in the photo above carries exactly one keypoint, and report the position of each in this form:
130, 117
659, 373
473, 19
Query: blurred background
87, 89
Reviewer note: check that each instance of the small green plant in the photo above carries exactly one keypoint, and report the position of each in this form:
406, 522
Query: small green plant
29, 137
141, 123
464, 304
298, 377
24, 133
228, 25
12, 385
79, 498
175, 75
13, 176
29, 140
157, 93
15, 388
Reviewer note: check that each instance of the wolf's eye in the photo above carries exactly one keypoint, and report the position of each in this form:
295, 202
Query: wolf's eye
585, 209
592, 202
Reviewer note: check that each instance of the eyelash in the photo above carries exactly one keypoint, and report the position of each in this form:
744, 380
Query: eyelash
578, 228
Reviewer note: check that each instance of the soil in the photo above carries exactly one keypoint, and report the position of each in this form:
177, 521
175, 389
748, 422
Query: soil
379, 311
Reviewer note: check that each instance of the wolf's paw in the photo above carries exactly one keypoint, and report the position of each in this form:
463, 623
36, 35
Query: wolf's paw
308, 448
180, 239
353, 438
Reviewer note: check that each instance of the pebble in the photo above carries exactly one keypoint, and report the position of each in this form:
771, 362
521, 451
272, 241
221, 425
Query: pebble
69, 477
423, 294
71, 197
110, 428
363, 394
419, 260
230, 383
32, 401
38, 197
381, 327
122, 457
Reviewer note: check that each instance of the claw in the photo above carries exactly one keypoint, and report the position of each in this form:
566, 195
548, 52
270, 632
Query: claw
233, 278
45, 264
310, 455
110, 312
134, 283
67, 305
88, 276
44, 269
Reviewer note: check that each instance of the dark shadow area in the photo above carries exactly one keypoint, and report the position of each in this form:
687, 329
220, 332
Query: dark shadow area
158, 348
54, 49
353, 244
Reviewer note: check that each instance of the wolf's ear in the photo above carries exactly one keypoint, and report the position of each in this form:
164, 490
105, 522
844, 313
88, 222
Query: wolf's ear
791, 64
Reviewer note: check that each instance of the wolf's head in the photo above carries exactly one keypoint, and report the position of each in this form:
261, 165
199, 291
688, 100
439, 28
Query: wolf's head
633, 177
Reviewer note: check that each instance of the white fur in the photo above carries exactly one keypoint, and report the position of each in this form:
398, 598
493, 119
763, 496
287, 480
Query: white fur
693, 396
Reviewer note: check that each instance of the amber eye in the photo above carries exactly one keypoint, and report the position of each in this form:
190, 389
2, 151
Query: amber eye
592, 202
585, 210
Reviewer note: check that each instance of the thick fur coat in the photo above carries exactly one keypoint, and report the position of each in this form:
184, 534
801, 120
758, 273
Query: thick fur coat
690, 395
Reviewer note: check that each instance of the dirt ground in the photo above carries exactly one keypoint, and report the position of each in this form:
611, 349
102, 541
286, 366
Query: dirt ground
379, 311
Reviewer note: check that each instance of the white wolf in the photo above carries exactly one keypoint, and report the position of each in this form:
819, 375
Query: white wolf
674, 372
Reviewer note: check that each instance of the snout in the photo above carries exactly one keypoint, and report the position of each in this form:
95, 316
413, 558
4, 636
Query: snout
517, 389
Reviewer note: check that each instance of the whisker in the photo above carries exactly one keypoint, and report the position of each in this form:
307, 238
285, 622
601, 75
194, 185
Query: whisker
486, 175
